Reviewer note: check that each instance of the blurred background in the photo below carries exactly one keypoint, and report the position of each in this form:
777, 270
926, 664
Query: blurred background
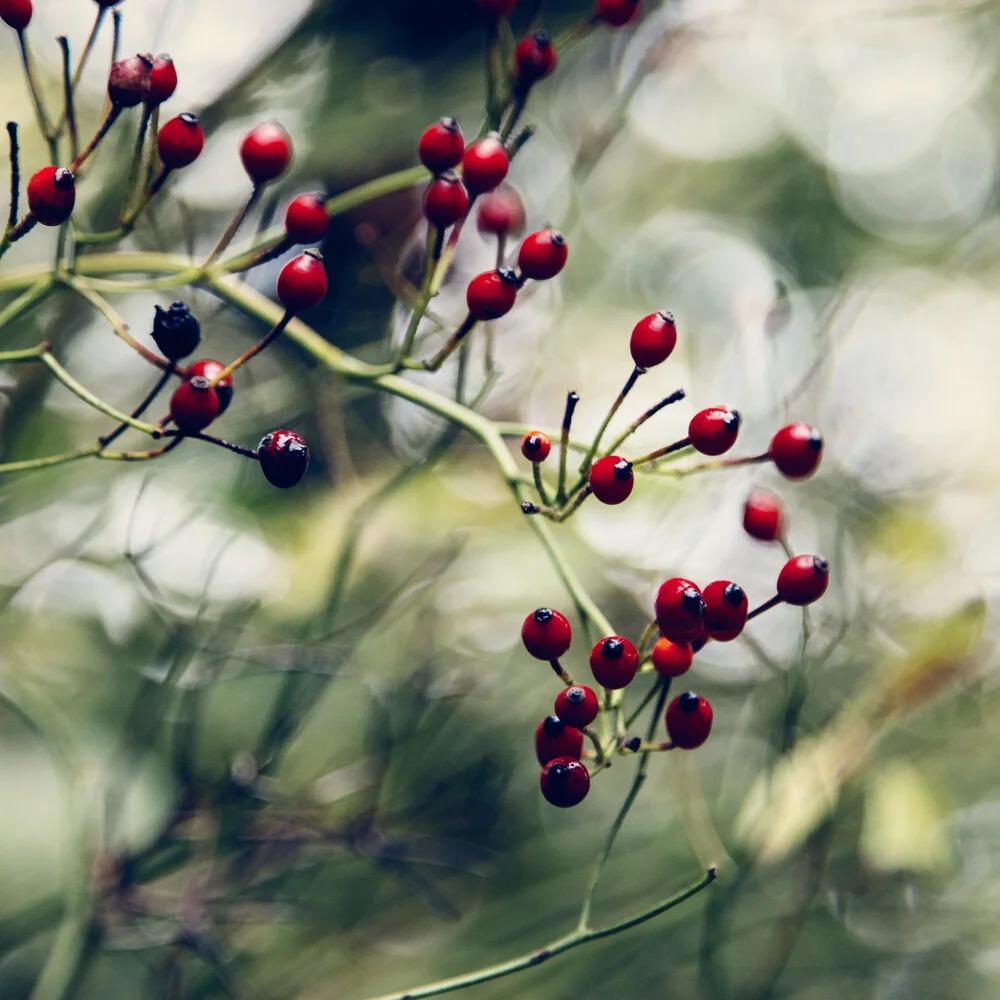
812, 190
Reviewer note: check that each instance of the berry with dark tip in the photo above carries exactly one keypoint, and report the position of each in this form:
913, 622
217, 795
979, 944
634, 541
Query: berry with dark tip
535, 446
445, 200
441, 146
52, 195
284, 458
302, 282
726, 608
680, 610
614, 662
306, 220
543, 255
553, 738
266, 151
653, 339
492, 294
208, 368
803, 579
565, 782
546, 634
485, 164
611, 479
689, 720
16, 13
577, 706
535, 58
672, 659
796, 450
163, 80
180, 141
714, 430
194, 405
764, 516
130, 80
176, 331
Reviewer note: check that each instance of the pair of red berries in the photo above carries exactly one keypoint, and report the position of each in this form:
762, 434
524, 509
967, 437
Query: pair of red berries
685, 614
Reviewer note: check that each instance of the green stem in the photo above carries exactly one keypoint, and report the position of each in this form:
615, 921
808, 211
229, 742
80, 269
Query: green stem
629, 384
435, 244
89, 47
40, 463
36, 98
674, 397
26, 300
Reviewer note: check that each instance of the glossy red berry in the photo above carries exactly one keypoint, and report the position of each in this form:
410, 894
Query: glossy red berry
617, 12
496, 8
207, 368
543, 254
492, 294
266, 151
577, 706
306, 219
302, 282
535, 58
614, 662
803, 579
163, 80
653, 339
764, 515
180, 141
726, 608
16, 13
52, 195
680, 610
553, 738
713, 431
796, 450
611, 479
194, 405
500, 213
441, 146
565, 782
283, 457
445, 200
672, 659
176, 331
546, 634
485, 164
535, 446
130, 80
689, 720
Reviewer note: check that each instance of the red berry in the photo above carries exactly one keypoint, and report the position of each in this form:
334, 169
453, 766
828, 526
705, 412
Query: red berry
680, 610
306, 219
535, 58
302, 282
689, 720
614, 662
208, 368
764, 515
617, 12
726, 608
485, 164
194, 405
283, 457
803, 579
163, 80
130, 80
445, 200
501, 213
16, 13
577, 706
546, 634
52, 195
553, 738
653, 339
796, 450
266, 151
713, 431
535, 446
671, 659
565, 782
491, 295
180, 141
543, 254
611, 479
441, 146
497, 8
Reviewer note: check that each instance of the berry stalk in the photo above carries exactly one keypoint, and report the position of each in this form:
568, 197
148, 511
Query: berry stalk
571, 400
69, 111
15, 176
629, 385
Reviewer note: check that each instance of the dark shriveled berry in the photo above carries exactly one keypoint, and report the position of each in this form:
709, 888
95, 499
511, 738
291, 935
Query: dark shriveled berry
284, 458
130, 80
176, 331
